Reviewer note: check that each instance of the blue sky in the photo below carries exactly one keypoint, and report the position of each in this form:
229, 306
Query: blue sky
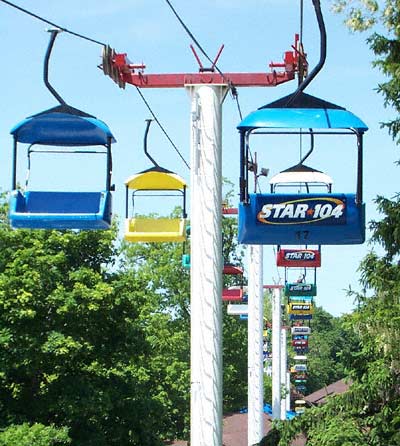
254, 33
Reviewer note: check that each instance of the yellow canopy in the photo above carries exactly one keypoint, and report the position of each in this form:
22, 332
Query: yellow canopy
154, 180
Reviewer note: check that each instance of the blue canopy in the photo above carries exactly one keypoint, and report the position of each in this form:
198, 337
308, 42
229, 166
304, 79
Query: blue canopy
302, 111
63, 125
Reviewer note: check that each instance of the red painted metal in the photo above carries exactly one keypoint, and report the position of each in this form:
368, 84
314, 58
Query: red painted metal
300, 376
178, 80
229, 211
300, 343
299, 258
269, 287
231, 270
234, 295
122, 71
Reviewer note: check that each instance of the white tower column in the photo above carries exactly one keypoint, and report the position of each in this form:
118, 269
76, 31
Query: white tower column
276, 353
206, 264
287, 390
283, 372
255, 345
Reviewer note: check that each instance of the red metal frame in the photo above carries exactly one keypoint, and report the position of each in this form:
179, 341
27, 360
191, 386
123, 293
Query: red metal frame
300, 343
229, 211
232, 270
234, 295
307, 258
122, 71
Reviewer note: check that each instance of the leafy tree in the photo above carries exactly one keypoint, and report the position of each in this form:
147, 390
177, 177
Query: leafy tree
35, 435
74, 347
167, 318
330, 344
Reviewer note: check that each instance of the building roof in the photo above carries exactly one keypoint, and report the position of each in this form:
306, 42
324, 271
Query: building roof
319, 397
235, 431
235, 425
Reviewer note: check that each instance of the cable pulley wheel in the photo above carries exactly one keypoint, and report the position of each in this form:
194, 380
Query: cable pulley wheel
106, 56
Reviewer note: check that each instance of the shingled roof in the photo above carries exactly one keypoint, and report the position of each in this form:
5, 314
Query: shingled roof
235, 425
319, 397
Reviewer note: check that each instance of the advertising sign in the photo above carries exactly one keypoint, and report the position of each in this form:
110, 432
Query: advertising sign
300, 343
307, 258
300, 376
300, 317
314, 219
300, 289
301, 330
300, 358
301, 299
299, 368
299, 308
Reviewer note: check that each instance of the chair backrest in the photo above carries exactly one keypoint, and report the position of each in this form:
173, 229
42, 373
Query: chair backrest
155, 225
155, 230
60, 210
62, 202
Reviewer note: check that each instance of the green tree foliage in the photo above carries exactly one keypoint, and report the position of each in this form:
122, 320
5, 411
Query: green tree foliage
167, 316
330, 344
35, 435
382, 18
75, 343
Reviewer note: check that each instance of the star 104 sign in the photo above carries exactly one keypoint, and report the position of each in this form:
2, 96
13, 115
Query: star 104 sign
307, 258
312, 219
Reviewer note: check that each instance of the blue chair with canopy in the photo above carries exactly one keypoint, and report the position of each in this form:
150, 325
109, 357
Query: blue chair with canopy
61, 129
312, 218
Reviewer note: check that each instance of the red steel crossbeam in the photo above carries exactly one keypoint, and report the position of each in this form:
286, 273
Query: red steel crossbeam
122, 71
178, 80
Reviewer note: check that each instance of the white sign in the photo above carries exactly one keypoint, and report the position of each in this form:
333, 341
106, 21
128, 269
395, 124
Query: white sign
301, 330
237, 309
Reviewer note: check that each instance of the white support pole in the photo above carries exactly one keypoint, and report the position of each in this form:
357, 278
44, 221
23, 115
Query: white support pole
206, 265
287, 391
255, 345
276, 353
283, 372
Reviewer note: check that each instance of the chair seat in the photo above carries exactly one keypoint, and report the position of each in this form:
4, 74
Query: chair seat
60, 210
155, 230
232, 295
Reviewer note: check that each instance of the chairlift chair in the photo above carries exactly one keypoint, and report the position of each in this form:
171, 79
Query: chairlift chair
156, 182
62, 129
152, 229
318, 219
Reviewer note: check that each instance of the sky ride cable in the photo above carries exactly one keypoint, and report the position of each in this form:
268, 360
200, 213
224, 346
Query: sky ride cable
81, 36
232, 87
321, 62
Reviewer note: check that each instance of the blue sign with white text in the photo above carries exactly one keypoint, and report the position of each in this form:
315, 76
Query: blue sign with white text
331, 219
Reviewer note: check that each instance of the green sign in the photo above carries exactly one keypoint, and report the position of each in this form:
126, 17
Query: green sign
300, 289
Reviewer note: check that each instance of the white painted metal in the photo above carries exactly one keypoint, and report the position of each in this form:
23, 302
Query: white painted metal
301, 329
300, 358
287, 390
276, 353
309, 177
206, 265
283, 373
237, 309
255, 346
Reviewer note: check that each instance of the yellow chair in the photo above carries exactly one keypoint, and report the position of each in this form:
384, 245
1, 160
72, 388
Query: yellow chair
147, 229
